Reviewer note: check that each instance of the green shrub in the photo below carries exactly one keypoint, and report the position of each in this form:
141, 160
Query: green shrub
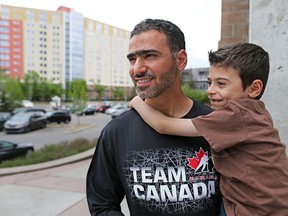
195, 94
52, 152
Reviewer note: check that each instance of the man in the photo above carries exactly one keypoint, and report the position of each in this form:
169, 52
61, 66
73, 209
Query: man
156, 173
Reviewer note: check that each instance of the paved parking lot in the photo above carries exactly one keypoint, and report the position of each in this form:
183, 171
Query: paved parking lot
88, 127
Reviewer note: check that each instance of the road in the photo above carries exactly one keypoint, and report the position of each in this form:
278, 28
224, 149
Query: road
88, 127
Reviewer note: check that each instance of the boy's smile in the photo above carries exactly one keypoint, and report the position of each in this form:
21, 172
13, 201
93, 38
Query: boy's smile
224, 84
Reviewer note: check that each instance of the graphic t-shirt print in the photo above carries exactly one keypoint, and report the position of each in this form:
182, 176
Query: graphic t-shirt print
170, 180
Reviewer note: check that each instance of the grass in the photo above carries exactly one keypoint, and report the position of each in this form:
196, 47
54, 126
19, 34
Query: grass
52, 152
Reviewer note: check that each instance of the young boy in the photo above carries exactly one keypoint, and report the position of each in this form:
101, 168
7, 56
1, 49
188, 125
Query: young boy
247, 150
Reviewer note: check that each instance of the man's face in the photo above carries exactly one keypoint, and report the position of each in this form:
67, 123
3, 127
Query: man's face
152, 66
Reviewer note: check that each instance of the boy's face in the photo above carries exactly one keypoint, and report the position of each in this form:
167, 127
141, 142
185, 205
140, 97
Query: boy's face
224, 84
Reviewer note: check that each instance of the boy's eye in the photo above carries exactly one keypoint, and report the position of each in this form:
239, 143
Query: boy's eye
208, 82
221, 83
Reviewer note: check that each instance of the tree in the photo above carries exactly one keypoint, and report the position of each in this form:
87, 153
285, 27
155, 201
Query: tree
99, 89
37, 88
30, 86
78, 95
118, 92
10, 92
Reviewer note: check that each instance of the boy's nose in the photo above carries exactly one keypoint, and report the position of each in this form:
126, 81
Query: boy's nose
211, 89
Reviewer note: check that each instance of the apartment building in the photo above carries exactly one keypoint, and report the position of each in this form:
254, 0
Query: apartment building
62, 45
11, 48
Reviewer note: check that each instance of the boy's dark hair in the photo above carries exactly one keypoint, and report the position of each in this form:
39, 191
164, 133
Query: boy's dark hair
250, 60
175, 37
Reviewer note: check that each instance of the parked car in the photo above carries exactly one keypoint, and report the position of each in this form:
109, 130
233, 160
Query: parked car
120, 110
11, 150
27, 109
58, 116
103, 108
115, 107
72, 108
27, 103
25, 122
87, 111
4, 116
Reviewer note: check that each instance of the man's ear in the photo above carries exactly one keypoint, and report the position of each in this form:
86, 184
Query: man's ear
181, 59
255, 88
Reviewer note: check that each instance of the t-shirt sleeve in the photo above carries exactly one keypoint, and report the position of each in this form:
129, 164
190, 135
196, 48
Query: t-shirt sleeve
222, 128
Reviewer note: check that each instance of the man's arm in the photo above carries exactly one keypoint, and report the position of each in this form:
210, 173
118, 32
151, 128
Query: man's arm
103, 187
162, 123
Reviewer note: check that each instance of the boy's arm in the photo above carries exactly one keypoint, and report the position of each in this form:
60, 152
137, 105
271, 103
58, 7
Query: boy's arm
162, 123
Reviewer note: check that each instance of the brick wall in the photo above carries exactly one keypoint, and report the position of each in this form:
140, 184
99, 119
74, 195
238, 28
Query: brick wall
235, 22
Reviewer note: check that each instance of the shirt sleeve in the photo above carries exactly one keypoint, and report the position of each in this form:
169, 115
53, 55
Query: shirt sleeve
103, 187
222, 128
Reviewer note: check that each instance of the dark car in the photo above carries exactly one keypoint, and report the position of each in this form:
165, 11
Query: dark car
25, 122
103, 108
10, 150
4, 116
88, 111
58, 116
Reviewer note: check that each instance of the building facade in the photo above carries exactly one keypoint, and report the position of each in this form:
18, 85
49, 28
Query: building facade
61, 46
11, 48
197, 77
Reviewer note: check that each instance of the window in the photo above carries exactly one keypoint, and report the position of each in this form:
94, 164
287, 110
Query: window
4, 22
43, 16
4, 29
4, 36
4, 43
30, 15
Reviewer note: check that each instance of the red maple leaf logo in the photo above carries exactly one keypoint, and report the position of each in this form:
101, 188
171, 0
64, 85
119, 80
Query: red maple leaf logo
195, 161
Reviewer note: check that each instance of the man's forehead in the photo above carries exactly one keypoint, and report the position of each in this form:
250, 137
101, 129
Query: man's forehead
143, 52
147, 38
147, 45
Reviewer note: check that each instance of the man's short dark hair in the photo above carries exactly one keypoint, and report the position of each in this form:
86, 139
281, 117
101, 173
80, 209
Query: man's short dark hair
175, 37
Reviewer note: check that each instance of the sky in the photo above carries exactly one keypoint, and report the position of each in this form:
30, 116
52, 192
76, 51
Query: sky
200, 20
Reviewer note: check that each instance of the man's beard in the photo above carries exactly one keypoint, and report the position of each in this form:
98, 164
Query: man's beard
166, 81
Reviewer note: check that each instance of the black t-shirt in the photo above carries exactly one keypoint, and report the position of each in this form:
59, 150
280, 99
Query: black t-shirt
159, 174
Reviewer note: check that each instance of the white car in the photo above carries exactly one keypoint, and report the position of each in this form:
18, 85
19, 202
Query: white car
119, 111
112, 109
27, 103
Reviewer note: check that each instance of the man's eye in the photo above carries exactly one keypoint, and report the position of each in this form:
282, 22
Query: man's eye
148, 55
221, 84
209, 83
131, 59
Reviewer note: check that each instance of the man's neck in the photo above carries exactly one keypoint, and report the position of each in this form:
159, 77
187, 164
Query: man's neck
175, 106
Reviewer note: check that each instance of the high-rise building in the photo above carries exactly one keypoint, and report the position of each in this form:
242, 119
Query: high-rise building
61, 46
11, 48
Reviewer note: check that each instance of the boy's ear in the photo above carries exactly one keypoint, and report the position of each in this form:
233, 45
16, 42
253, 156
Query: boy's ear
255, 88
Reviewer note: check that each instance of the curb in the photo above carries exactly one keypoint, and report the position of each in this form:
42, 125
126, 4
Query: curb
50, 164
80, 128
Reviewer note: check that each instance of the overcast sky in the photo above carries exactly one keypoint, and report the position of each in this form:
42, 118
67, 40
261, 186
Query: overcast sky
200, 20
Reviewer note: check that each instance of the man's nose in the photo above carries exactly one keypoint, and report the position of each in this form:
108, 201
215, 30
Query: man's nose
140, 66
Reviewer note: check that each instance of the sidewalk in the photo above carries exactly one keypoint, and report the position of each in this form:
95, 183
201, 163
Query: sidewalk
55, 188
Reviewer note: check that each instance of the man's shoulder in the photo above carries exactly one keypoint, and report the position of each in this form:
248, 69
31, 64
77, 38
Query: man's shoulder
199, 108
125, 119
